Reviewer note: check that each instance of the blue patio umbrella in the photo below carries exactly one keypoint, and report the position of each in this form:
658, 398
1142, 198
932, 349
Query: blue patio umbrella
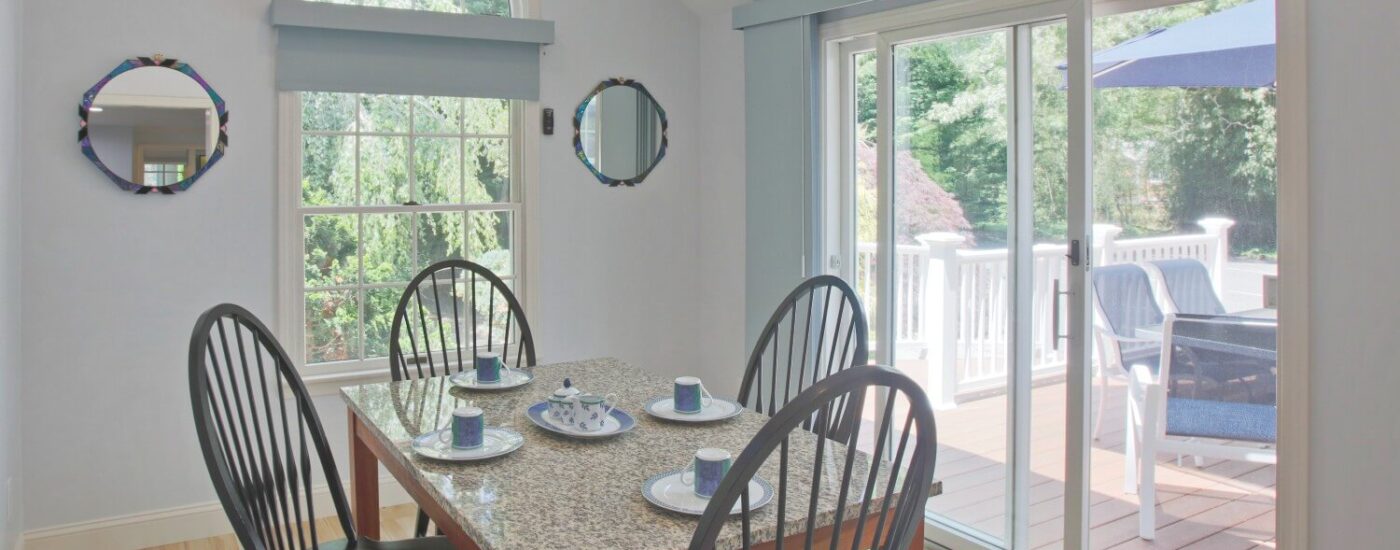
1233, 48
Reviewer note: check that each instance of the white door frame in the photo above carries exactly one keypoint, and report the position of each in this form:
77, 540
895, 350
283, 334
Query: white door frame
1294, 331
1078, 382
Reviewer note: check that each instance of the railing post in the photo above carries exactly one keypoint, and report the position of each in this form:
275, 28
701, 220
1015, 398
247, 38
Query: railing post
1220, 229
1104, 236
941, 295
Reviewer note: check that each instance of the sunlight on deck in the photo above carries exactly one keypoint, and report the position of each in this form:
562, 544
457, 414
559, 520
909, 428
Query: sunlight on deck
1222, 505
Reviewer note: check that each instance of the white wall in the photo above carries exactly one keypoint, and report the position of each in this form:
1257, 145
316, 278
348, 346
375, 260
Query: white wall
113, 281
721, 186
1354, 120
617, 266
11, 521
107, 313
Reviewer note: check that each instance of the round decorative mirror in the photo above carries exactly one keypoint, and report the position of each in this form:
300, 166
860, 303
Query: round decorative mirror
153, 124
620, 132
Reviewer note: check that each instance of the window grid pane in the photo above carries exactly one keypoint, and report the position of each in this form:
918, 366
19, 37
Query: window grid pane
436, 162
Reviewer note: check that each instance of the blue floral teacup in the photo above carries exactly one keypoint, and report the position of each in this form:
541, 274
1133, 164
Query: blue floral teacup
488, 367
690, 395
591, 411
468, 427
707, 470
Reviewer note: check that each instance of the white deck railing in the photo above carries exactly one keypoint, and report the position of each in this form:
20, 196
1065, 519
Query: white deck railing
952, 304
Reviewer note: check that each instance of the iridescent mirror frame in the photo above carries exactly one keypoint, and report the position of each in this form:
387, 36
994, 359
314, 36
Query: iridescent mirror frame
85, 108
578, 132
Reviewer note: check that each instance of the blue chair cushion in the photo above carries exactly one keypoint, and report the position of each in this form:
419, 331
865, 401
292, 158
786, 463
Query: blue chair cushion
1222, 420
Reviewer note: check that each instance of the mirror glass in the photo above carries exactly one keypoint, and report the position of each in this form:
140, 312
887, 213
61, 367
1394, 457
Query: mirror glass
620, 132
153, 126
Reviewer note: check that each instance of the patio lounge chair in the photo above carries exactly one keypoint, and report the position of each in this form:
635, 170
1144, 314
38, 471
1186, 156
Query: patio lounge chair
1188, 287
1186, 408
1123, 303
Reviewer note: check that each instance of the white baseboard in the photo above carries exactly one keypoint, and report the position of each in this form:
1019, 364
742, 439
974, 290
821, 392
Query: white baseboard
172, 525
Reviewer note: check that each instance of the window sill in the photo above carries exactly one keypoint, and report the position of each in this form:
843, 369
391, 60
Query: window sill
324, 384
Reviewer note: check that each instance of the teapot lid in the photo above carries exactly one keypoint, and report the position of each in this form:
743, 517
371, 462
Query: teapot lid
567, 390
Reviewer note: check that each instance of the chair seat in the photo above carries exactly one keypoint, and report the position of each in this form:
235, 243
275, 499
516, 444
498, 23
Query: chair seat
425, 543
1222, 420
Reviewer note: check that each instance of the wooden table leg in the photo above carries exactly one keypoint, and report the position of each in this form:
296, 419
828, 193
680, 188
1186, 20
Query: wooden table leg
366, 453
364, 483
918, 542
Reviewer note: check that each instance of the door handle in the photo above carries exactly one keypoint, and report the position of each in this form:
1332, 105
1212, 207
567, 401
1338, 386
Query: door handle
1055, 316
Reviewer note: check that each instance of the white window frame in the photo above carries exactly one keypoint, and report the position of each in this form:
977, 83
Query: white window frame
324, 378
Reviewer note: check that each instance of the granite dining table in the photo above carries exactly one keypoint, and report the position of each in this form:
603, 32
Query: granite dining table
556, 491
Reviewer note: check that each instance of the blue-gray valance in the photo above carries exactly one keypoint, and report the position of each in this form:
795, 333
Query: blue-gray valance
341, 48
762, 12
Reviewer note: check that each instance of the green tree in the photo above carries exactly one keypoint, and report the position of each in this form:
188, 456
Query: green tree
1164, 157
460, 153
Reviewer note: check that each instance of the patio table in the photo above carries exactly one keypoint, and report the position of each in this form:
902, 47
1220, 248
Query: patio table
556, 491
1259, 348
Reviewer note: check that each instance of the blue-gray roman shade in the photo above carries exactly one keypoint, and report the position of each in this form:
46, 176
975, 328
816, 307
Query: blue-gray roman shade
340, 48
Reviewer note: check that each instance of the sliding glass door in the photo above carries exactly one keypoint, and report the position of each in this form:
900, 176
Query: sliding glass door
983, 163
953, 139
953, 136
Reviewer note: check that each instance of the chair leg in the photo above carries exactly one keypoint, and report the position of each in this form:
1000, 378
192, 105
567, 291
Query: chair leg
1147, 491
1130, 440
420, 530
1099, 410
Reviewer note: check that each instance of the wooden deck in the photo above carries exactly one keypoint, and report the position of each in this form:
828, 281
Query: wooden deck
1222, 505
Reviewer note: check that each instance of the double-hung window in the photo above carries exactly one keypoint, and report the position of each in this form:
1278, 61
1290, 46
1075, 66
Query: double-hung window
382, 187
473, 7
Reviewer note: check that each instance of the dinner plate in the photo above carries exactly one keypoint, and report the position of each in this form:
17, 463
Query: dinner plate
510, 378
719, 409
665, 490
494, 442
618, 422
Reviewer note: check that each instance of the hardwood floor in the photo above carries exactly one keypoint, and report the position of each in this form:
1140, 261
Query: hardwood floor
397, 523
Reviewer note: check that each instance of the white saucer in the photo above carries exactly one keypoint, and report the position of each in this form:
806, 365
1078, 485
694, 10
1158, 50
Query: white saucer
719, 409
665, 490
510, 378
617, 422
494, 442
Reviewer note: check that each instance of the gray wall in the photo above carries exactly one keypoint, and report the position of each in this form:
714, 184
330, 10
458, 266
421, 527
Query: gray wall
620, 270
1355, 127
11, 514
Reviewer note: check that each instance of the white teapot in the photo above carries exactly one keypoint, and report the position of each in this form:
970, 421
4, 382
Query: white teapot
563, 404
